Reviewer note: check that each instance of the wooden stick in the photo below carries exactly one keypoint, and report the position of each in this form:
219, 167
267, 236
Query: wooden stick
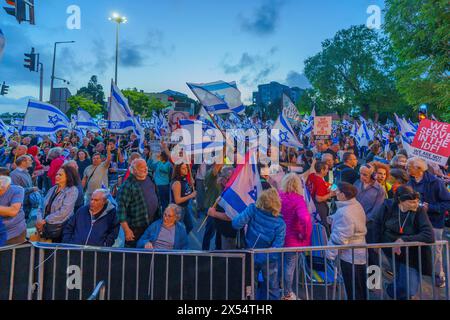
206, 218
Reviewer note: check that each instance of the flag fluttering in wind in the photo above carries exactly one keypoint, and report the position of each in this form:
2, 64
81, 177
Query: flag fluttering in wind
85, 121
218, 97
289, 109
44, 119
407, 133
4, 130
242, 190
287, 135
120, 116
198, 137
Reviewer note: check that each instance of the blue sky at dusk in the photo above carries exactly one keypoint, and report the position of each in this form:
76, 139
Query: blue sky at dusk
167, 43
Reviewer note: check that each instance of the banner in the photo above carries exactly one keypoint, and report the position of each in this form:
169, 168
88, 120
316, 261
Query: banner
323, 127
175, 117
432, 141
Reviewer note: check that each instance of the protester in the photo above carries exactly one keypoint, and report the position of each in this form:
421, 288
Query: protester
182, 193
11, 211
56, 158
399, 162
298, 227
348, 227
59, 205
83, 161
265, 229
403, 220
21, 177
167, 233
95, 224
80, 199
382, 176
398, 177
137, 203
435, 199
346, 171
96, 175
161, 173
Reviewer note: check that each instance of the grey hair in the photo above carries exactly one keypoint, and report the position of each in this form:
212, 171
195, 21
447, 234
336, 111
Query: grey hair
418, 163
55, 153
5, 182
176, 208
134, 163
326, 156
105, 193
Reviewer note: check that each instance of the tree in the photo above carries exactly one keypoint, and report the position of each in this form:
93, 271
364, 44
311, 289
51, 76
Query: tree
80, 101
93, 91
141, 104
419, 30
355, 69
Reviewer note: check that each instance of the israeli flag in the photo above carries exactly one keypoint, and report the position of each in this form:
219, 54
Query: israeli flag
242, 190
310, 204
120, 117
85, 121
310, 126
218, 97
286, 136
2, 43
4, 130
44, 119
139, 131
407, 133
289, 109
365, 135
199, 137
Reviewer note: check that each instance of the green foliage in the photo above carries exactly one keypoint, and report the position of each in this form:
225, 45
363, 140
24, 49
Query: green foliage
141, 104
419, 30
353, 70
90, 106
93, 91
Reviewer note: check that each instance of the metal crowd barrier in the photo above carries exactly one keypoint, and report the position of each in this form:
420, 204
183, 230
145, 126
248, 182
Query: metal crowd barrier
49, 272
319, 278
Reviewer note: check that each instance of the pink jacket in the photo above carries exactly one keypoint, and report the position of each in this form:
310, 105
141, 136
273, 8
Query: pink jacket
298, 220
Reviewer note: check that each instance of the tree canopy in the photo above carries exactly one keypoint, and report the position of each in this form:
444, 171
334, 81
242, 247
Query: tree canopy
141, 104
79, 101
93, 91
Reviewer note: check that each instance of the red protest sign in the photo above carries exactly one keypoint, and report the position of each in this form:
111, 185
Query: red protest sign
432, 141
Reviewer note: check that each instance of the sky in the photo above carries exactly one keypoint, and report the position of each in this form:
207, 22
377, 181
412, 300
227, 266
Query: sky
167, 43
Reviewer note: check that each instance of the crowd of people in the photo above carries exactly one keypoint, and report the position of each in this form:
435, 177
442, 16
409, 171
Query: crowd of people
89, 191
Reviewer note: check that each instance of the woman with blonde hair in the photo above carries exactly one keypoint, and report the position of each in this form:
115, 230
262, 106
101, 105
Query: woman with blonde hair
265, 229
298, 227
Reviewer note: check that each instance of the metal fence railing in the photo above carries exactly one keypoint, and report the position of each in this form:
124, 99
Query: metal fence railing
60, 272
316, 277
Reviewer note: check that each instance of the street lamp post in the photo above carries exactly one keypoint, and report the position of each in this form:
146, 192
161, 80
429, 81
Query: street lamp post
117, 18
53, 68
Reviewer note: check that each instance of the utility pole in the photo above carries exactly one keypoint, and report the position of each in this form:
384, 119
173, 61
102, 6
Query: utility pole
41, 88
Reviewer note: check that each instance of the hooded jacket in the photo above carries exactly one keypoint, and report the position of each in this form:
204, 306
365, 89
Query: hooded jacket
83, 229
298, 220
433, 191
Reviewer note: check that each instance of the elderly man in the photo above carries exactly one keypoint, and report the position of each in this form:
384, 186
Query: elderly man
166, 233
95, 224
21, 177
137, 202
87, 146
436, 200
96, 175
11, 200
329, 160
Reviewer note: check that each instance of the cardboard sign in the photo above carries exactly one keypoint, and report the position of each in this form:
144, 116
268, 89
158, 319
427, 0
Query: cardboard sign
175, 117
432, 142
323, 126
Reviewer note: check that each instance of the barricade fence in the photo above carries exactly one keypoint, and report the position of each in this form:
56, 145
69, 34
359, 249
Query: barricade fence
62, 272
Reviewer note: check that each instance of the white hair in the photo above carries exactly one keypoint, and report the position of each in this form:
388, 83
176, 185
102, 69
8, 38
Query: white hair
105, 193
327, 156
5, 182
176, 208
134, 163
418, 163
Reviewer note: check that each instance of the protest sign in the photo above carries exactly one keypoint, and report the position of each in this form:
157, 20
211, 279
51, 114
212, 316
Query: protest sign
323, 127
432, 141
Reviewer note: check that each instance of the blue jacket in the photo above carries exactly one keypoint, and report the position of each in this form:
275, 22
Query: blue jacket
3, 233
264, 230
371, 198
152, 233
433, 191
81, 229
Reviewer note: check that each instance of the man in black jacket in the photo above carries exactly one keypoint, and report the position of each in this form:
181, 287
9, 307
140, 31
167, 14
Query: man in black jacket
346, 172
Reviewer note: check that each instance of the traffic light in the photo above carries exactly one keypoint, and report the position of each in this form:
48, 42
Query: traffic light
422, 116
423, 112
30, 60
4, 89
19, 10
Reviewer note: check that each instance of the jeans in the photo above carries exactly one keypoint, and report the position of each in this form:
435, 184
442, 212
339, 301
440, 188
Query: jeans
401, 282
272, 275
290, 265
164, 195
360, 280
210, 231
438, 266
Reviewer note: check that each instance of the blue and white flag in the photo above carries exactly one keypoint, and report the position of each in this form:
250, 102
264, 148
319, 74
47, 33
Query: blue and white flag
218, 97
407, 133
85, 121
199, 137
310, 204
364, 135
310, 126
287, 135
44, 119
289, 109
120, 116
242, 190
2, 43
4, 130
139, 131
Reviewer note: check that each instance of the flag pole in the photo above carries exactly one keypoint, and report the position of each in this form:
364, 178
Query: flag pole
206, 218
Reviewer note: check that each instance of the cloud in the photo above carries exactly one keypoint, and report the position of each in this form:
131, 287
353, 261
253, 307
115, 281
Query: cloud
295, 79
14, 105
265, 20
254, 68
102, 61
